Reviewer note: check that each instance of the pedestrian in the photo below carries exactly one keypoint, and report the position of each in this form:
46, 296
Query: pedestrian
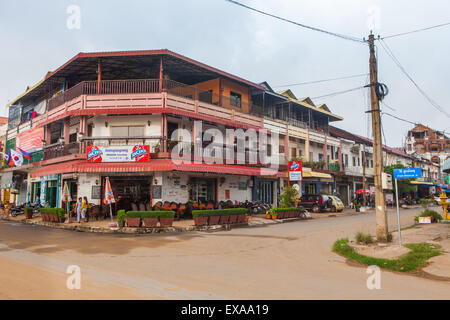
84, 208
79, 203
37, 201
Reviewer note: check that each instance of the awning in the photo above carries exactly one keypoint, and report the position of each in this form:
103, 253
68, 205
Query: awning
314, 174
150, 166
423, 183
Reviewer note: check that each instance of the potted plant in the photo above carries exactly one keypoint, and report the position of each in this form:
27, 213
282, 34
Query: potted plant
133, 219
358, 207
28, 213
233, 217
121, 218
201, 217
166, 218
274, 215
157, 148
214, 217
150, 218
224, 218
245, 219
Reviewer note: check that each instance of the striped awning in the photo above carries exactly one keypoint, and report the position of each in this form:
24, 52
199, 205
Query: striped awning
151, 166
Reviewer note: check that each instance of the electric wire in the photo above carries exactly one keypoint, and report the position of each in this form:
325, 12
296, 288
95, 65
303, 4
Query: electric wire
337, 93
397, 62
414, 31
320, 81
342, 36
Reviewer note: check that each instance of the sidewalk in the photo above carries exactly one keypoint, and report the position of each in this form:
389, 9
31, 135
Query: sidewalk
102, 226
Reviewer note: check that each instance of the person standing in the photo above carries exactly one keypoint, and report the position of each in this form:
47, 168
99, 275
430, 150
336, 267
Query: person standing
79, 203
84, 208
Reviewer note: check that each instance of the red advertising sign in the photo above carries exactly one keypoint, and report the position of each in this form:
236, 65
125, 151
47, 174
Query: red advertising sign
295, 170
295, 166
118, 153
30, 140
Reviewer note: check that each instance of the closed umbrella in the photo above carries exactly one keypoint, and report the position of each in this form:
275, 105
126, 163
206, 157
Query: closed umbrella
66, 195
109, 197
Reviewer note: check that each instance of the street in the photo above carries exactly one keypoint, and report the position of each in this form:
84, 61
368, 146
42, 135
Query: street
283, 261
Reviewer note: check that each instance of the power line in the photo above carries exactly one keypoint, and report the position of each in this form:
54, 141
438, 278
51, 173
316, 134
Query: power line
398, 118
319, 81
414, 31
342, 36
337, 93
397, 62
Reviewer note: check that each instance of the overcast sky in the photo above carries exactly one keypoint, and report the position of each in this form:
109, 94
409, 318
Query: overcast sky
35, 39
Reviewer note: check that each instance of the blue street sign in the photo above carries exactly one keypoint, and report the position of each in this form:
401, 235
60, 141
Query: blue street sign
408, 173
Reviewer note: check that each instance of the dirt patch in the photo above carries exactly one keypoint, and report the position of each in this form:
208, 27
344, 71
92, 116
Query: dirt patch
391, 252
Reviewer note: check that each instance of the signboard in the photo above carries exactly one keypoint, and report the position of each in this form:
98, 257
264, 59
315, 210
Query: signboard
424, 219
408, 173
295, 170
118, 153
242, 186
96, 192
30, 140
157, 192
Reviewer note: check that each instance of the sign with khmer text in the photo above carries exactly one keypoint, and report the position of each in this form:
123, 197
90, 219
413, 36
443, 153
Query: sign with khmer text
118, 153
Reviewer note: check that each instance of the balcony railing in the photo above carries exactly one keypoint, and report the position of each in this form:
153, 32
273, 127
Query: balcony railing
57, 150
151, 86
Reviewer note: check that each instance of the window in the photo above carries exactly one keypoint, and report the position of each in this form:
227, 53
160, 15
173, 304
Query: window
354, 161
281, 149
320, 157
359, 163
235, 99
73, 137
293, 153
371, 163
127, 131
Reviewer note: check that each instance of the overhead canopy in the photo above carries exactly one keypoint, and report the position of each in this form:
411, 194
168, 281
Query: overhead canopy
123, 65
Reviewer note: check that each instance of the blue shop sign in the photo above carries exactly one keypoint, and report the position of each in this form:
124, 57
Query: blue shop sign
408, 173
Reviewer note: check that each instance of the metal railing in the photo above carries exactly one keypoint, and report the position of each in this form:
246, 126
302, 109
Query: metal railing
57, 150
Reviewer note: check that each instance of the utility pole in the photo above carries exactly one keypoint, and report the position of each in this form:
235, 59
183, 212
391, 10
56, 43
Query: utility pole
364, 175
381, 217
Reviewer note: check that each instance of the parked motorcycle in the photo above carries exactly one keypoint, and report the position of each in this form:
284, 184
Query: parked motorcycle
17, 210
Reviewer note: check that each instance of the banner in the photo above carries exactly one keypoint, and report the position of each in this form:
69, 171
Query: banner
30, 140
118, 153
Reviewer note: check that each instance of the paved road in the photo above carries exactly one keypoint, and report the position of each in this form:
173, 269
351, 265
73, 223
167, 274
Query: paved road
283, 261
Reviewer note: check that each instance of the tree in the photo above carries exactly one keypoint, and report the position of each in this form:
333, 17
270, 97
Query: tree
404, 185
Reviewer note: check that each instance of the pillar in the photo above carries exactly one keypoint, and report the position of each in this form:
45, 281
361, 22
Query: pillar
66, 130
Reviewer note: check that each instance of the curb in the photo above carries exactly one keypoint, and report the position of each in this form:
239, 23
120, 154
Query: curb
127, 230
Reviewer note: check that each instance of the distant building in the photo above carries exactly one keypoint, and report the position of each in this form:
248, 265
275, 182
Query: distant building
431, 144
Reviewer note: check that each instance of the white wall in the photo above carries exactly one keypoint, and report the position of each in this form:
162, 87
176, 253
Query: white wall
232, 183
85, 183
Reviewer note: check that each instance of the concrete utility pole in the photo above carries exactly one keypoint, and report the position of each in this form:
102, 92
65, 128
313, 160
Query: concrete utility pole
381, 217
364, 175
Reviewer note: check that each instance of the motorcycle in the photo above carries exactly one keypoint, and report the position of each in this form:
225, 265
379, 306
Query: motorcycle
17, 210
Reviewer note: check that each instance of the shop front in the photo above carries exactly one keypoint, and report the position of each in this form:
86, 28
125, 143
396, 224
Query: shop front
317, 183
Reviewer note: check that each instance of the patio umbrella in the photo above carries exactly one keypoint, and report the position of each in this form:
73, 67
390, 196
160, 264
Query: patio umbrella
109, 197
360, 191
66, 195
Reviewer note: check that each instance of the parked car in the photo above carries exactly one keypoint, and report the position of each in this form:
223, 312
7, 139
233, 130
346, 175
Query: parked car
316, 202
337, 204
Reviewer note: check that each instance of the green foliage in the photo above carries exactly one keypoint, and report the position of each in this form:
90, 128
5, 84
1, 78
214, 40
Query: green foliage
429, 213
416, 258
276, 210
299, 158
56, 211
219, 212
364, 238
389, 237
287, 197
314, 164
28, 210
404, 185
121, 215
150, 214
425, 201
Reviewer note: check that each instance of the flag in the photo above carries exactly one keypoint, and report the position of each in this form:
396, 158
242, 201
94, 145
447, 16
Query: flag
25, 154
109, 197
15, 158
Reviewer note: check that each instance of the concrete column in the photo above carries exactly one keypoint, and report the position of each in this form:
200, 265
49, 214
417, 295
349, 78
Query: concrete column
66, 130
307, 146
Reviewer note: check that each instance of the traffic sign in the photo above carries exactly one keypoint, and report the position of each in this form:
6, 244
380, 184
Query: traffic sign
408, 173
